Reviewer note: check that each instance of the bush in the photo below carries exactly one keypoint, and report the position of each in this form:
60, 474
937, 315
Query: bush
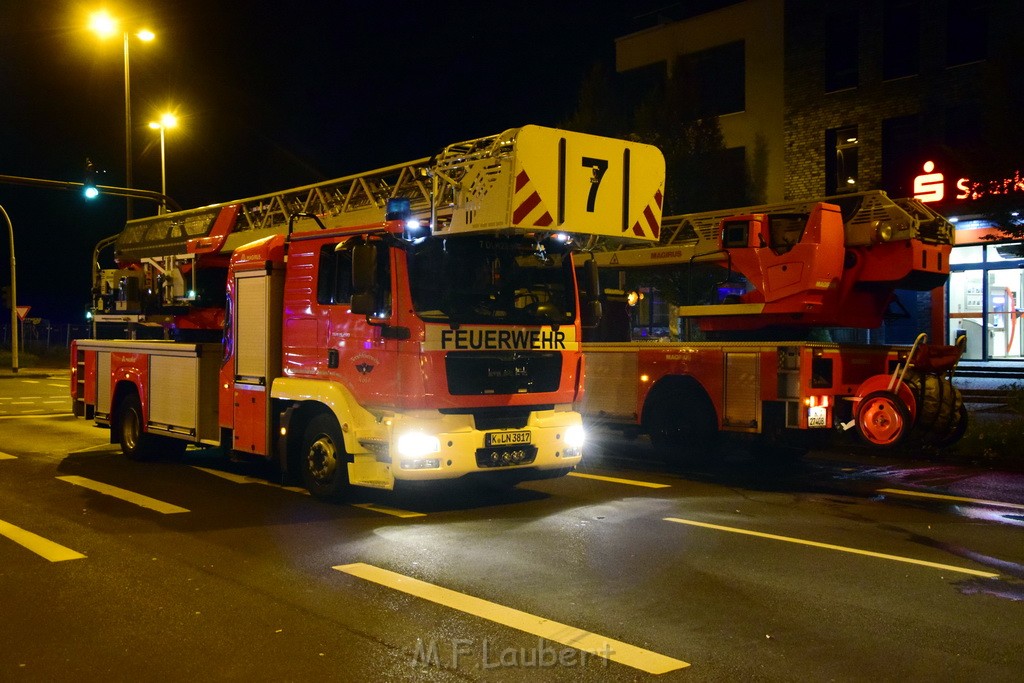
992, 438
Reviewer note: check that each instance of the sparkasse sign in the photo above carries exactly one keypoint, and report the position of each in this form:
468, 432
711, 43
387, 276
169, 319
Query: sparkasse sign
931, 186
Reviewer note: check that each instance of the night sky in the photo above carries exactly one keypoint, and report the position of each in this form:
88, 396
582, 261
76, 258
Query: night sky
269, 96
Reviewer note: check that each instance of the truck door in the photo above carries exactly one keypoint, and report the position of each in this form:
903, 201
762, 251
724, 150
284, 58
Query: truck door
359, 354
257, 327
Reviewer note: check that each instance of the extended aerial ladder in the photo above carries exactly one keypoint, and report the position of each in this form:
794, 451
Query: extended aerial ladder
828, 262
870, 217
467, 186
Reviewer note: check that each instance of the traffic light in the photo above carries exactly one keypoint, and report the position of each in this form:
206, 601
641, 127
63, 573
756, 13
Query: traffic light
89, 188
5, 293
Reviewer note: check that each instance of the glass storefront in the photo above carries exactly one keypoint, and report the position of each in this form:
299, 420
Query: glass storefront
986, 285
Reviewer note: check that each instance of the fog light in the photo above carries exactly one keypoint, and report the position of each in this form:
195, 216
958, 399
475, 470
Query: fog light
421, 464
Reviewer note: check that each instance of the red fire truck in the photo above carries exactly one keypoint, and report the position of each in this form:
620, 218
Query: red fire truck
750, 300
418, 322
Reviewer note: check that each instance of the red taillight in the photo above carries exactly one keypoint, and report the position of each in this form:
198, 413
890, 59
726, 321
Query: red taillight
818, 401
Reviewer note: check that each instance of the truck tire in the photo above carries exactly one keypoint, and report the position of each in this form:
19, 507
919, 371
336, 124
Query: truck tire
140, 445
942, 417
323, 459
681, 421
956, 431
883, 420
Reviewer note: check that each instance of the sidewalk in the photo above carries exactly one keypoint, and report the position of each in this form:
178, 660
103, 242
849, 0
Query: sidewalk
33, 373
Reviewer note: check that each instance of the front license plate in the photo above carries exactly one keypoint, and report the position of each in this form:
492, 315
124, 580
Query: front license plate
507, 438
817, 416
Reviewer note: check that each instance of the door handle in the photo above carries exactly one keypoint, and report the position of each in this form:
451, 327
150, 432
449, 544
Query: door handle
332, 358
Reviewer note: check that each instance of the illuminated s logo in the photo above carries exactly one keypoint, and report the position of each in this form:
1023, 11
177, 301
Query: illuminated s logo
929, 187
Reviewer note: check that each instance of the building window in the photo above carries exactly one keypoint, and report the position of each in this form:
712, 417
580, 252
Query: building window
901, 154
965, 127
841, 172
966, 32
717, 76
842, 49
901, 39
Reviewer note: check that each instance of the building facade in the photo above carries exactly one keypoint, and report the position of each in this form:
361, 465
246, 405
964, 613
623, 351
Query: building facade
914, 97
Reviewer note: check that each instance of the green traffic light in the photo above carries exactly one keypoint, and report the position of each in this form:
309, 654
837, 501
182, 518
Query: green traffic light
89, 186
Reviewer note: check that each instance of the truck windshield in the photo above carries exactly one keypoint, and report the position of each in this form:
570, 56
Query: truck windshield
481, 280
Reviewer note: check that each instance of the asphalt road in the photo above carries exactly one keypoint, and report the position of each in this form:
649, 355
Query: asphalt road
823, 569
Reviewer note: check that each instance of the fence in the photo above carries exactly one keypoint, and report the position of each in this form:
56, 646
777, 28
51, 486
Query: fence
38, 336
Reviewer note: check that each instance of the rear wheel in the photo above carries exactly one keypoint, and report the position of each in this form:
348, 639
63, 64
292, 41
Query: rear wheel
138, 444
883, 419
324, 461
681, 421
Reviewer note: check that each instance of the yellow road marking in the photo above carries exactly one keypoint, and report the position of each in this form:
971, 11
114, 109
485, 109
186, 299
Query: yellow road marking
125, 495
106, 447
616, 480
54, 552
585, 641
830, 546
7, 456
956, 499
388, 511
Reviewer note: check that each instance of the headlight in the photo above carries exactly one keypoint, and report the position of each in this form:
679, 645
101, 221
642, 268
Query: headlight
417, 444
574, 437
885, 232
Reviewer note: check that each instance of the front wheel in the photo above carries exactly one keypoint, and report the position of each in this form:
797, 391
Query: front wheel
324, 460
883, 419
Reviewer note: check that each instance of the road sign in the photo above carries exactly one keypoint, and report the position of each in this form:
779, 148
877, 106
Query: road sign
22, 311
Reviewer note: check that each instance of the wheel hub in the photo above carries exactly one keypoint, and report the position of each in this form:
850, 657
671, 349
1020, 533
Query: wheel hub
322, 459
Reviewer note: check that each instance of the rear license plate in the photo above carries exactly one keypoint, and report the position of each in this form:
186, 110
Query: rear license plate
507, 438
817, 416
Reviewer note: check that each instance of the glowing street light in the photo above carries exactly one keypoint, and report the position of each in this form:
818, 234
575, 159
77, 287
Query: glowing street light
166, 121
104, 25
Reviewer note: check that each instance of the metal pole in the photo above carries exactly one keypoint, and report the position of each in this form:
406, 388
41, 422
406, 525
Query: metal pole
127, 127
14, 296
163, 171
103, 189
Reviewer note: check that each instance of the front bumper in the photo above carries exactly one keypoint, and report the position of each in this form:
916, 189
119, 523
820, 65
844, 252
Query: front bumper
463, 449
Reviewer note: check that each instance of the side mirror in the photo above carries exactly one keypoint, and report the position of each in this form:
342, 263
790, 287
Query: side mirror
363, 303
364, 269
591, 313
590, 303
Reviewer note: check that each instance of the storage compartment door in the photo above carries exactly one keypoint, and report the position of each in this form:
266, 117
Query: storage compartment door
742, 411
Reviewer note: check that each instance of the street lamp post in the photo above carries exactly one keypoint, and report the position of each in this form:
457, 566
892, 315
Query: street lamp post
105, 25
166, 121
14, 296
